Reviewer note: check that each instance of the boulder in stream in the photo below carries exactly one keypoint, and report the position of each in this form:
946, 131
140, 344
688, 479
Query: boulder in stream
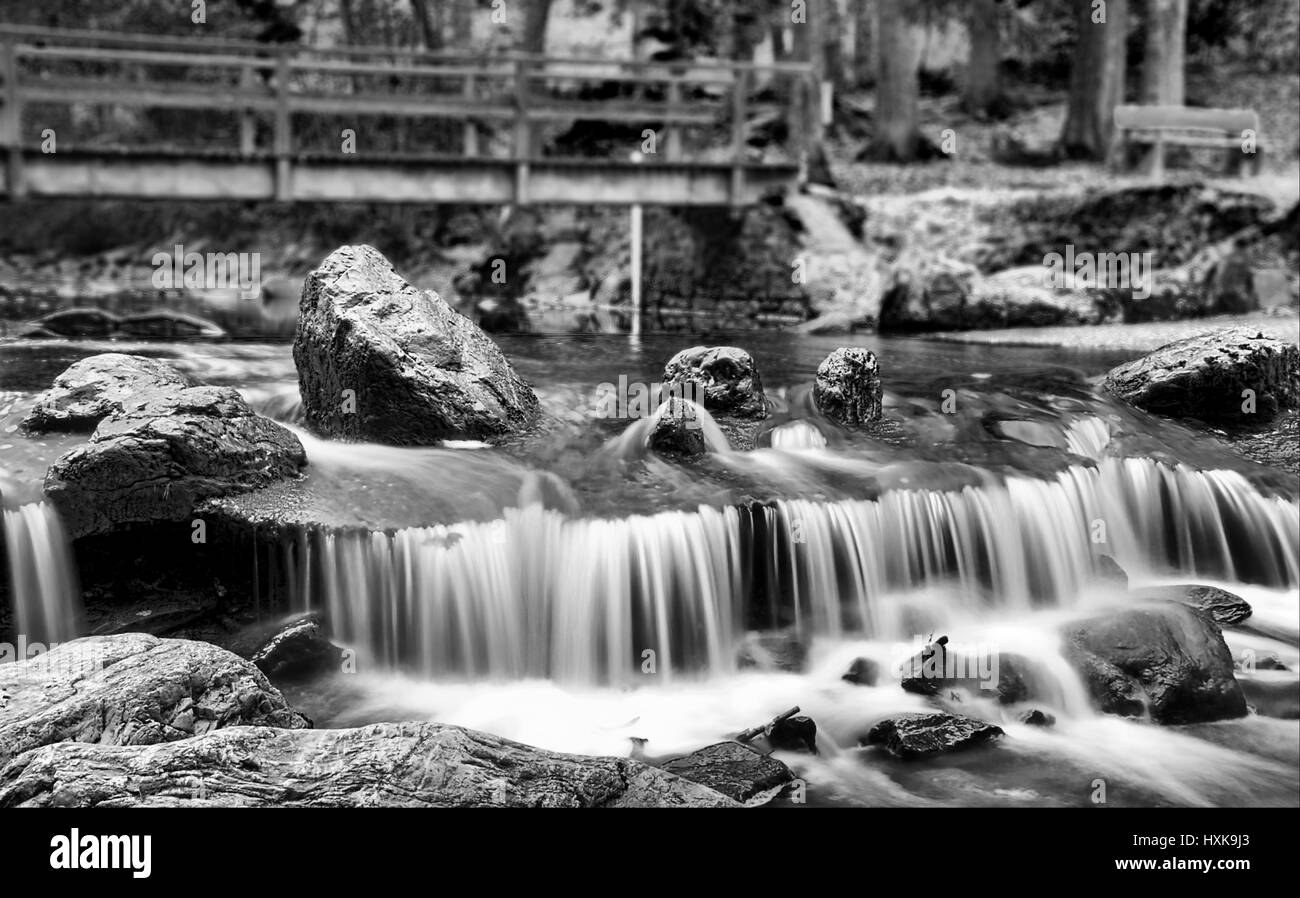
380, 360
163, 453
724, 378
1227, 609
927, 294
737, 771
862, 672
382, 765
912, 736
1167, 659
133, 689
97, 386
1233, 376
847, 389
677, 430
298, 649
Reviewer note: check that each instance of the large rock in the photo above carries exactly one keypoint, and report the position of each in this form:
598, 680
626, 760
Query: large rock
165, 452
912, 736
847, 388
676, 431
737, 771
1204, 377
937, 670
724, 378
1227, 609
96, 387
382, 765
380, 360
1167, 659
1024, 297
299, 649
132, 689
927, 294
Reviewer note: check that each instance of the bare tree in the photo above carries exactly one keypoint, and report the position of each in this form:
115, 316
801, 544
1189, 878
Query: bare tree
1096, 79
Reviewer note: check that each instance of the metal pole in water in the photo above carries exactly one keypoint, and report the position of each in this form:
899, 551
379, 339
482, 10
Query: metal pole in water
636, 261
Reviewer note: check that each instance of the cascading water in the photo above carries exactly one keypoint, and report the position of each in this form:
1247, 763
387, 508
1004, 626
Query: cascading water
538, 593
42, 576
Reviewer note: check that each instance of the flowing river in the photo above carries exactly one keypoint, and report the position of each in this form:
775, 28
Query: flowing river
579, 593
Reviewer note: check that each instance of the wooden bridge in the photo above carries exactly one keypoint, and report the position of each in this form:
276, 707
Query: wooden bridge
94, 114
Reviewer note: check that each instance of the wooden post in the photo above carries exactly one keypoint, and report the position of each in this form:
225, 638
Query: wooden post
283, 135
470, 147
523, 148
739, 99
247, 125
11, 123
673, 145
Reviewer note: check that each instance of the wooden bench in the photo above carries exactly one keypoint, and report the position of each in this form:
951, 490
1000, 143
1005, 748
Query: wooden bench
1161, 126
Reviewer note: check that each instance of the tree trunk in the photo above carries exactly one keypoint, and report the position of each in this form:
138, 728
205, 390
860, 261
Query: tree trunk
1096, 79
810, 47
983, 92
348, 21
536, 14
428, 29
1163, 61
897, 134
864, 43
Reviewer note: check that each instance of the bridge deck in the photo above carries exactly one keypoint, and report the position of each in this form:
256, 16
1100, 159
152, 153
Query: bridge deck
266, 122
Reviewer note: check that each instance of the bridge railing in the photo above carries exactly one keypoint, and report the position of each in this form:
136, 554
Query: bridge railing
287, 102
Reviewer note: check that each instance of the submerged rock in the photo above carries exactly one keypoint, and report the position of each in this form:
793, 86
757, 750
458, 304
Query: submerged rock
97, 386
380, 360
1167, 659
133, 689
677, 430
773, 650
723, 378
299, 649
164, 453
1233, 376
737, 771
862, 672
382, 765
914, 736
1108, 570
1227, 609
847, 389
1037, 718
1273, 695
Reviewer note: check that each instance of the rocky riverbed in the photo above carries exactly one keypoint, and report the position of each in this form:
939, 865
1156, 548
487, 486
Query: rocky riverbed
154, 469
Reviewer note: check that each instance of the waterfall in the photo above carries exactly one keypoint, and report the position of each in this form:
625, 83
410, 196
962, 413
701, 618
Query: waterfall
539, 593
42, 576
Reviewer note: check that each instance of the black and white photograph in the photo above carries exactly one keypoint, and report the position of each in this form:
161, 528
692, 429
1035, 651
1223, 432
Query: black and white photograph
888, 405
